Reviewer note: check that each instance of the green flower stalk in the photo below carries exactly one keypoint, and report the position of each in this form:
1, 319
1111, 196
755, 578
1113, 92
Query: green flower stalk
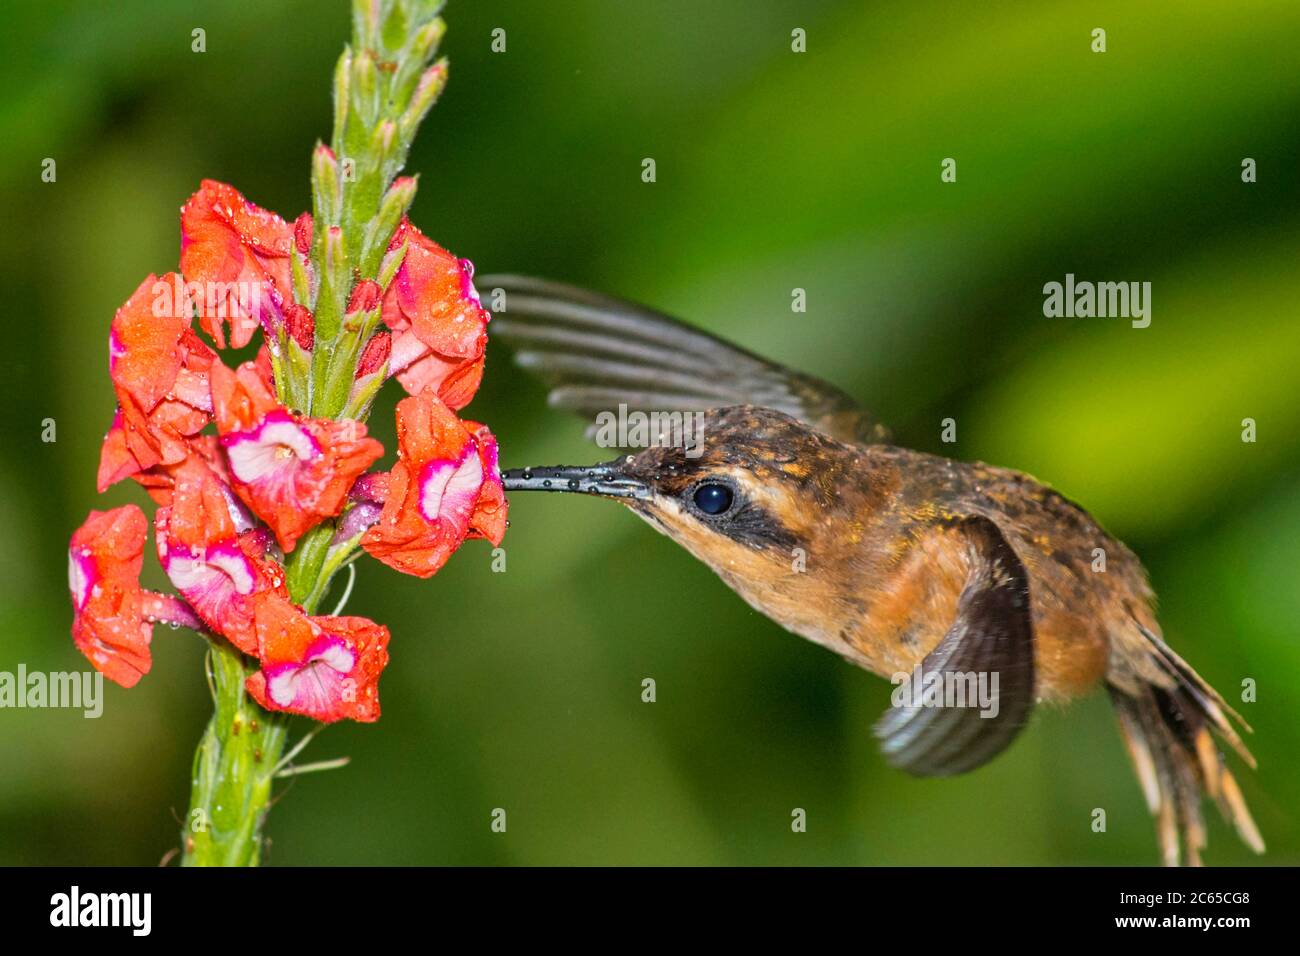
234, 766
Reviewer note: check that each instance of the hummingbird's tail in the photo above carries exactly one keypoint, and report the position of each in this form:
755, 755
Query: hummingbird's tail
1170, 717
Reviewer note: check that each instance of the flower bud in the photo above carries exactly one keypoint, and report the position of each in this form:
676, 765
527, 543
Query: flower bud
335, 280
355, 521
427, 39
371, 373
392, 209
426, 94
302, 231
365, 80
342, 81
301, 269
383, 139
365, 296
365, 22
375, 355
301, 326
392, 260
325, 184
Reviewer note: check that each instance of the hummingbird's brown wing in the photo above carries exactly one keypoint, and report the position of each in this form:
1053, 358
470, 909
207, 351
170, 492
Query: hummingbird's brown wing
598, 352
993, 634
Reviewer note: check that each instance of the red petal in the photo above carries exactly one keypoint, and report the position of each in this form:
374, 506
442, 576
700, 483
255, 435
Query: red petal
145, 352
236, 251
105, 557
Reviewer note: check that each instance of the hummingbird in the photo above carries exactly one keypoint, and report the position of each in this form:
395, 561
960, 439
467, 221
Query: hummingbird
978, 590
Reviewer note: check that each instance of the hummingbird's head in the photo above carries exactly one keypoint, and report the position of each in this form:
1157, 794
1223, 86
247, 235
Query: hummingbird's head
752, 492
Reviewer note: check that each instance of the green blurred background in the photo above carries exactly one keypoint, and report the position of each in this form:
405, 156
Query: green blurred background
775, 170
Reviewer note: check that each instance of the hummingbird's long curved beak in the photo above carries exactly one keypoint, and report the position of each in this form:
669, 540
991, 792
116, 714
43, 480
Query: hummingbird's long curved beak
608, 479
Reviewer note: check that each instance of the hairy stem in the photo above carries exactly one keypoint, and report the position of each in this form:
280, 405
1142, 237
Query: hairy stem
233, 768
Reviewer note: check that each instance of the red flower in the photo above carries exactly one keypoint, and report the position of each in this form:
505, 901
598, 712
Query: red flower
322, 667
109, 624
445, 485
239, 254
213, 555
439, 325
488, 519
291, 470
159, 368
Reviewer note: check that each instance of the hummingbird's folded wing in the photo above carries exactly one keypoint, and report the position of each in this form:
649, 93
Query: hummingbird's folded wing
598, 352
992, 635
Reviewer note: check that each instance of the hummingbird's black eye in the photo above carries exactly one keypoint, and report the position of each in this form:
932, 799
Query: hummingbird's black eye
713, 498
